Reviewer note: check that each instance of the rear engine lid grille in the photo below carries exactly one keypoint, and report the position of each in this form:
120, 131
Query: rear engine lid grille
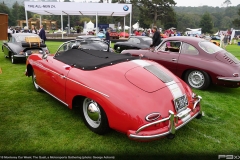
228, 58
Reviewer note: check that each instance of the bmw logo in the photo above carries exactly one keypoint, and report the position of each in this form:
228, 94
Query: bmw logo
125, 8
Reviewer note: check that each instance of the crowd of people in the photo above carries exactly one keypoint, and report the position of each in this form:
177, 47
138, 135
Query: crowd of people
40, 32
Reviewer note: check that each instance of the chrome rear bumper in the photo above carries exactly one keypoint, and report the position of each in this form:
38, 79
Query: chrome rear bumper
183, 117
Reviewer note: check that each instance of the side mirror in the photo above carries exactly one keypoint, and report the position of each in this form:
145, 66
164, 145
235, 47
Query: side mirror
45, 55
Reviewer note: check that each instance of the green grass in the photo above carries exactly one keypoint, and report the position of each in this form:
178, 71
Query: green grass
34, 123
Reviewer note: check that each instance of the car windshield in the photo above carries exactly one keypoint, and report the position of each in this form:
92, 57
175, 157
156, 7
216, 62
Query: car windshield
22, 38
209, 47
147, 39
93, 39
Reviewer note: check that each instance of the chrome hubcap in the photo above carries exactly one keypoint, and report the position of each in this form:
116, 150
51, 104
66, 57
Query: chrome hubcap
34, 81
92, 113
196, 79
12, 59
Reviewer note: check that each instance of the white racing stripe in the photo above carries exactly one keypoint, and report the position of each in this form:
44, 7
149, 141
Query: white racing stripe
175, 89
141, 63
172, 86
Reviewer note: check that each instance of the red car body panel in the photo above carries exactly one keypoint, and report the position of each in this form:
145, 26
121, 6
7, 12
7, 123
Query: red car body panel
217, 65
126, 92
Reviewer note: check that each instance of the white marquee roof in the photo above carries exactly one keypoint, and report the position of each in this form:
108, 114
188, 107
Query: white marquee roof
75, 8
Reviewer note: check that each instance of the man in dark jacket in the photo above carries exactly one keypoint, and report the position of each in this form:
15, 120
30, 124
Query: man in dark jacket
42, 34
156, 39
107, 38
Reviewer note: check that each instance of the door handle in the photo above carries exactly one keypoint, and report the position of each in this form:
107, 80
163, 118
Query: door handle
174, 59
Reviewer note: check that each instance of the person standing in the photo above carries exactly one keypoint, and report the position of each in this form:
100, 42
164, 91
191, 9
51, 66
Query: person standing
42, 34
156, 39
225, 41
9, 33
221, 40
33, 30
107, 38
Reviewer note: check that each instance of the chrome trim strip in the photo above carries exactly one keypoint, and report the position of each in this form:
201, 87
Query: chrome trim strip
184, 113
64, 77
87, 87
162, 134
153, 123
183, 124
229, 79
53, 96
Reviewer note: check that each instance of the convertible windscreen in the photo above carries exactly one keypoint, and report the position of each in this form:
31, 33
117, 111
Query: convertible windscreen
91, 59
22, 38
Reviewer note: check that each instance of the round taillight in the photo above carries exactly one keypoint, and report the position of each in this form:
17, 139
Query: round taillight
235, 74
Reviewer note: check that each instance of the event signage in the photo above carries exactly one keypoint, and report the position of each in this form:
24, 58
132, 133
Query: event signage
70, 7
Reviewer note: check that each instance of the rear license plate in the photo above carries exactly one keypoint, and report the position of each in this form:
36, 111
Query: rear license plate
181, 103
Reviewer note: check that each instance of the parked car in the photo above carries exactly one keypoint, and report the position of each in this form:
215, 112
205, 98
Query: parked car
124, 34
17, 48
89, 42
134, 42
101, 35
211, 40
110, 92
215, 37
197, 61
114, 34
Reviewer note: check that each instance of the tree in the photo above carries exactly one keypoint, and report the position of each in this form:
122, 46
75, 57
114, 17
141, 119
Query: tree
236, 22
15, 12
206, 23
155, 9
170, 20
227, 2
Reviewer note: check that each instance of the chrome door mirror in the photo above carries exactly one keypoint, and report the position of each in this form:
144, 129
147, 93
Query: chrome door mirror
44, 55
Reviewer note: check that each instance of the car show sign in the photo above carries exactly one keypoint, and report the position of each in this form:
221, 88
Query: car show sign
75, 8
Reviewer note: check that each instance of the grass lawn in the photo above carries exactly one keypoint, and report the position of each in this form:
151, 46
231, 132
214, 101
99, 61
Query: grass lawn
33, 123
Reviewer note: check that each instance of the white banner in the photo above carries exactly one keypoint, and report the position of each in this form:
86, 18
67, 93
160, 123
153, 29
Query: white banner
71, 7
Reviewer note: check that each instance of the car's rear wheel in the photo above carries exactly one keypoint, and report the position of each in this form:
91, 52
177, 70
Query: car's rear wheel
94, 116
34, 79
12, 59
197, 79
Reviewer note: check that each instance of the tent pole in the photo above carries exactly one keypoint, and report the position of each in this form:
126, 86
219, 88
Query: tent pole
26, 18
40, 20
124, 27
62, 24
96, 23
68, 24
130, 26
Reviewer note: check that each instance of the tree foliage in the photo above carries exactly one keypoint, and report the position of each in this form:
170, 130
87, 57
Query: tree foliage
236, 22
227, 2
155, 9
206, 23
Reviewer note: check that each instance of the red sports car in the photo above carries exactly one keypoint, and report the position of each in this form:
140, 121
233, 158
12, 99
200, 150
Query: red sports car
197, 61
137, 97
124, 34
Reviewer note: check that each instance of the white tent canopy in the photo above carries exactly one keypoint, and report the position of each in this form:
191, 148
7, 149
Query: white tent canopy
75, 8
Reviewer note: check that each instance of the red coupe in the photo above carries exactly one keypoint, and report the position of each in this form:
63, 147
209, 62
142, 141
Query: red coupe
197, 61
137, 97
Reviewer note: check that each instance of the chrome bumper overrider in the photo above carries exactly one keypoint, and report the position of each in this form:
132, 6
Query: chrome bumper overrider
173, 120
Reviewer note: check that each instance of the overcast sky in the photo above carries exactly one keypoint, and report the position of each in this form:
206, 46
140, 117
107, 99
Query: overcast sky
213, 3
